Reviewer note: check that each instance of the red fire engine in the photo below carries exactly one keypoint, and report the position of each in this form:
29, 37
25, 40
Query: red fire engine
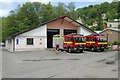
70, 42
96, 42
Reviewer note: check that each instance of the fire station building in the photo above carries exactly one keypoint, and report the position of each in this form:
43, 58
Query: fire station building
40, 37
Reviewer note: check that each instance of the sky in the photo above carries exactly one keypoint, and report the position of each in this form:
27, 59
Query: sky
7, 5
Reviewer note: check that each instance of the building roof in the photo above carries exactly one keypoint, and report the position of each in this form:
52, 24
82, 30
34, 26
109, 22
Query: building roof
113, 29
115, 20
98, 31
70, 20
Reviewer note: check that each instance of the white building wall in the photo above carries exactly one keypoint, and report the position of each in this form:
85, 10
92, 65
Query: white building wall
83, 31
40, 31
113, 24
39, 36
39, 42
78, 30
9, 45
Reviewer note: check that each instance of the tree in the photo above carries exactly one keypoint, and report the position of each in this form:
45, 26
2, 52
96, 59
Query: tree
47, 12
104, 7
19, 20
119, 26
30, 14
118, 10
71, 10
71, 7
60, 9
112, 14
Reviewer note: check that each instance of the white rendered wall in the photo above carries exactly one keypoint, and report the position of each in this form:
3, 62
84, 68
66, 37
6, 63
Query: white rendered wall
113, 24
38, 44
9, 46
40, 31
39, 36
83, 31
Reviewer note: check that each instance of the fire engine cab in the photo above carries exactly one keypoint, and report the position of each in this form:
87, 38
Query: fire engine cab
96, 42
69, 43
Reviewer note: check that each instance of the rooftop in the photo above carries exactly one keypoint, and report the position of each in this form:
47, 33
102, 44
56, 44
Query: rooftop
114, 29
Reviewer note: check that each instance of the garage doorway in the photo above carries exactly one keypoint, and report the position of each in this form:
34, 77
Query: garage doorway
50, 33
66, 31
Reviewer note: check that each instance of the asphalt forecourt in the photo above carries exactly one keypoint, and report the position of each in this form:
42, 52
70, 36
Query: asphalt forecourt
51, 64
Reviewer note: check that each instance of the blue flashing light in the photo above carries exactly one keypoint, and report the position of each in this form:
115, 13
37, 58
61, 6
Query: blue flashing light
80, 34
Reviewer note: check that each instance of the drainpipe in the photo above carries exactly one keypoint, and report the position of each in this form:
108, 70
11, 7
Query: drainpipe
13, 44
107, 37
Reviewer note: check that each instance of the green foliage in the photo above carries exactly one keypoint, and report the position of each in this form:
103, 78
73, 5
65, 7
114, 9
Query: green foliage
105, 22
94, 13
71, 10
93, 28
119, 26
60, 10
116, 43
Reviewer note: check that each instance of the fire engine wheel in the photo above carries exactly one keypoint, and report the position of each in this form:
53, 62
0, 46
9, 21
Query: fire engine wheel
62, 50
57, 49
85, 49
92, 49
102, 50
81, 51
69, 50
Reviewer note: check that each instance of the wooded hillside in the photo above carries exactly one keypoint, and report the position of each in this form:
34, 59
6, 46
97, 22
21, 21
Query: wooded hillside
32, 14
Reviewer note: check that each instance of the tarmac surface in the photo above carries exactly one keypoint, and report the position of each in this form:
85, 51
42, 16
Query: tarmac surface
49, 64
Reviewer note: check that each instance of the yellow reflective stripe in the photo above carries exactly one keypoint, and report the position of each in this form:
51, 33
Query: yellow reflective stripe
79, 43
90, 42
56, 38
108, 46
68, 42
59, 38
102, 42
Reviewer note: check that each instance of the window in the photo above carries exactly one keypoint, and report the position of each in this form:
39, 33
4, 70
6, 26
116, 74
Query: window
94, 39
70, 39
110, 25
40, 43
65, 39
87, 39
29, 41
102, 39
9, 41
17, 41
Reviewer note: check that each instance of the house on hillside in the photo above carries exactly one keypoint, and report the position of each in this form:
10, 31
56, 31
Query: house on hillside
113, 23
95, 23
40, 37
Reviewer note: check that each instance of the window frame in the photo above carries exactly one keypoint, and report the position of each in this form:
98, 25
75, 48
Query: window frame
28, 42
17, 41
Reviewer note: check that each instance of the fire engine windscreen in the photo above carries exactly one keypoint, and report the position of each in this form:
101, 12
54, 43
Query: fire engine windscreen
78, 39
102, 40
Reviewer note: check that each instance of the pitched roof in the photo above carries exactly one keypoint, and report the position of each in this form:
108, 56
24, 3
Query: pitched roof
113, 29
65, 17
98, 31
115, 20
